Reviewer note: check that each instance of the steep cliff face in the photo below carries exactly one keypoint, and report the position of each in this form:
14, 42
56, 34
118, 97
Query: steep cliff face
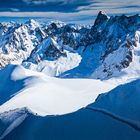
110, 46
121, 45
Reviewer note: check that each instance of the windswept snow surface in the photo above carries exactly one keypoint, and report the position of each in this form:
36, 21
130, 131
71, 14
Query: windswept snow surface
42, 96
46, 95
113, 116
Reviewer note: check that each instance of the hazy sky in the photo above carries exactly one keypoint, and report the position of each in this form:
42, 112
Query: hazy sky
67, 10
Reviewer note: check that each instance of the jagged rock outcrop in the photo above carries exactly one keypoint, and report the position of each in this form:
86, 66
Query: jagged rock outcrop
119, 40
106, 47
18, 40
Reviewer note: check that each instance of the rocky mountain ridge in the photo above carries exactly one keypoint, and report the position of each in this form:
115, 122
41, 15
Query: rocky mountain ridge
98, 52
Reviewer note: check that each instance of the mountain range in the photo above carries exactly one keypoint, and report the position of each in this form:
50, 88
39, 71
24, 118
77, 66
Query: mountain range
72, 50
67, 81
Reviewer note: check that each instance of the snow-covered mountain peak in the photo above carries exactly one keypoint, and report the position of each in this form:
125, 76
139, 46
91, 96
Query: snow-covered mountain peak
107, 54
33, 24
57, 23
100, 21
101, 16
108, 45
48, 49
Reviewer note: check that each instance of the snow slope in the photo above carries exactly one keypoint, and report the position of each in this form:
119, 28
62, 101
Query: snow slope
84, 124
44, 95
27, 110
121, 103
108, 51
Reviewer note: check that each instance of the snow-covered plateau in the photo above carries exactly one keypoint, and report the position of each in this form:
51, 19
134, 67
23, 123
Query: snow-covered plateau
70, 82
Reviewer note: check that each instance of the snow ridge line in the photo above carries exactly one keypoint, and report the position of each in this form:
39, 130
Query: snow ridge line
12, 126
131, 123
